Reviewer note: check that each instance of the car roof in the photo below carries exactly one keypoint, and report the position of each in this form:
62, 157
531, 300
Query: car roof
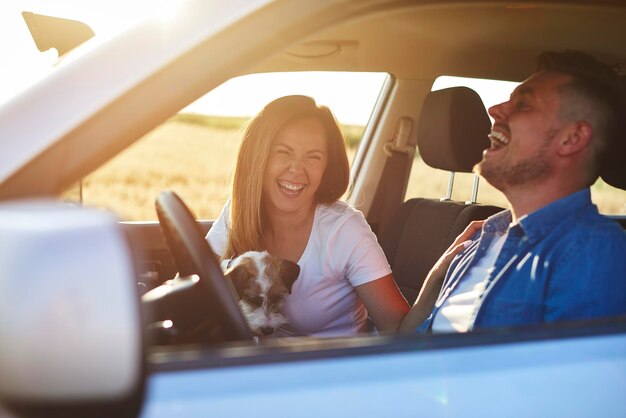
104, 96
484, 39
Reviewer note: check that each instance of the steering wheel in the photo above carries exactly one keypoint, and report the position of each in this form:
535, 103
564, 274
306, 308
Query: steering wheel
193, 255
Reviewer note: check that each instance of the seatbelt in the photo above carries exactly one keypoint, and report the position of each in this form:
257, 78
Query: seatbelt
392, 186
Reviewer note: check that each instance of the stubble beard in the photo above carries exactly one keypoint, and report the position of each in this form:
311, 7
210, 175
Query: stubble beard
524, 172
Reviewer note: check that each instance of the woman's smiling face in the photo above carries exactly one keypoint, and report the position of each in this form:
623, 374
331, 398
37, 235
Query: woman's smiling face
295, 167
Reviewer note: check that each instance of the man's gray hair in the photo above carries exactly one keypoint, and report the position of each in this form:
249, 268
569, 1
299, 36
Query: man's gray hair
594, 95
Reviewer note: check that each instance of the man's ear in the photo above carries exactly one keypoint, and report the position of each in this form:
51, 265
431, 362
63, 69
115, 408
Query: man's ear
576, 139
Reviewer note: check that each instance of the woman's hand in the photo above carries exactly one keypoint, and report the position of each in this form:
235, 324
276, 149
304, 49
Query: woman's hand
460, 243
432, 285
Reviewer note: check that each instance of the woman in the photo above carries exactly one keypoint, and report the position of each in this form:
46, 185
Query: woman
291, 170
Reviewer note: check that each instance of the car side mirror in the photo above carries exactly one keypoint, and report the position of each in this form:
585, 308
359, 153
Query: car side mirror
55, 32
71, 334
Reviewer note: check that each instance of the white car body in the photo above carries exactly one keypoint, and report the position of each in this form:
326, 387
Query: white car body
90, 104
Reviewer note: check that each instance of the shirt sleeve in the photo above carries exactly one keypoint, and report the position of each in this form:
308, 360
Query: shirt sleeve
218, 234
365, 260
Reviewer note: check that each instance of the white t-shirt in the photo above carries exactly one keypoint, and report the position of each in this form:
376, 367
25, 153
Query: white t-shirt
458, 311
342, 253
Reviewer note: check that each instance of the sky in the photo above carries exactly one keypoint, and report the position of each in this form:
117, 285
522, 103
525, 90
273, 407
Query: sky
350, 96
23, 63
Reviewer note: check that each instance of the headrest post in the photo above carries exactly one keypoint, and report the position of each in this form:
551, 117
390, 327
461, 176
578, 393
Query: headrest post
450, 186
474, 190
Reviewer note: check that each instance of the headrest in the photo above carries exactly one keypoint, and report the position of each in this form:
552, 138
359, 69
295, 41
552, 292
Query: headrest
613, 167
453, 129
613, 171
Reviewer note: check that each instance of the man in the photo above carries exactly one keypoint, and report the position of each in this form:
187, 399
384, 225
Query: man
551, 257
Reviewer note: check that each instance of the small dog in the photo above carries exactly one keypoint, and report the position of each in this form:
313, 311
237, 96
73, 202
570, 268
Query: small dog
262, 282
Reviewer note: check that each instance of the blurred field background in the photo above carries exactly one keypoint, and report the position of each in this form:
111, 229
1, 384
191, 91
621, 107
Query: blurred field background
194, 155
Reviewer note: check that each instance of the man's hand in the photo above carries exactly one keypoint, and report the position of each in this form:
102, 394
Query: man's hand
432, 285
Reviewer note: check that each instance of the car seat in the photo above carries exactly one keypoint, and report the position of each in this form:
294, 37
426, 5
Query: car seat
452, 134
613, 166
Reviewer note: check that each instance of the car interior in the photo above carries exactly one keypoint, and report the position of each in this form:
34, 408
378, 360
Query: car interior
446, 127
192, 344
451, 136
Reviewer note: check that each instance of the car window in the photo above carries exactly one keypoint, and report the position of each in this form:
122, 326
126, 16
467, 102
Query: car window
194, 152
610, 200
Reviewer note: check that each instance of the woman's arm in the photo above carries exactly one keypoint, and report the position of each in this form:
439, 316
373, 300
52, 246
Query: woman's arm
384, 303
432, 285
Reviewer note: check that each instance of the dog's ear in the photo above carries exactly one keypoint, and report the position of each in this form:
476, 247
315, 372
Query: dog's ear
289, 273
240, 276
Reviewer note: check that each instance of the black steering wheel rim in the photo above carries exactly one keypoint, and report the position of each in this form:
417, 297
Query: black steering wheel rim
193, 255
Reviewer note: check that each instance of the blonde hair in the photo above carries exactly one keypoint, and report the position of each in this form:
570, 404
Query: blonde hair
247, 214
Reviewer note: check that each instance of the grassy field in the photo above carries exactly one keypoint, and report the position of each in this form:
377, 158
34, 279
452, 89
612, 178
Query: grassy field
195, 156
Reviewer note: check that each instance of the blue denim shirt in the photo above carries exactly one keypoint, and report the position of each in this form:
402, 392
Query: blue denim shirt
564, 261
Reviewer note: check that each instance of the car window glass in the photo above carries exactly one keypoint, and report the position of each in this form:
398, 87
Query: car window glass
609, 200
194, 152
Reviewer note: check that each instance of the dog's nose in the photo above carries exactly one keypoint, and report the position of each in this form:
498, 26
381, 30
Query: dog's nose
266, 330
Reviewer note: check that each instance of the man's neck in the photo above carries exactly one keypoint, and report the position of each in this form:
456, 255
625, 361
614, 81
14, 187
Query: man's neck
527, 199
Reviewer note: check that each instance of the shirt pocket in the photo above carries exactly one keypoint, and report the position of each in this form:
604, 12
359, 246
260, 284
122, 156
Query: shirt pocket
510, 312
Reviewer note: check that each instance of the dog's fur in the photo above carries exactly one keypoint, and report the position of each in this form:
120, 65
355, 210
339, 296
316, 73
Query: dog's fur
262, 282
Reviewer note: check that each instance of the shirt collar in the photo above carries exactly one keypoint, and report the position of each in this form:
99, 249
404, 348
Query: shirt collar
498, 223
539, 223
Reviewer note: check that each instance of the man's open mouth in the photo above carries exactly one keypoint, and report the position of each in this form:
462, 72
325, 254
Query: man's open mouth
498, 139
